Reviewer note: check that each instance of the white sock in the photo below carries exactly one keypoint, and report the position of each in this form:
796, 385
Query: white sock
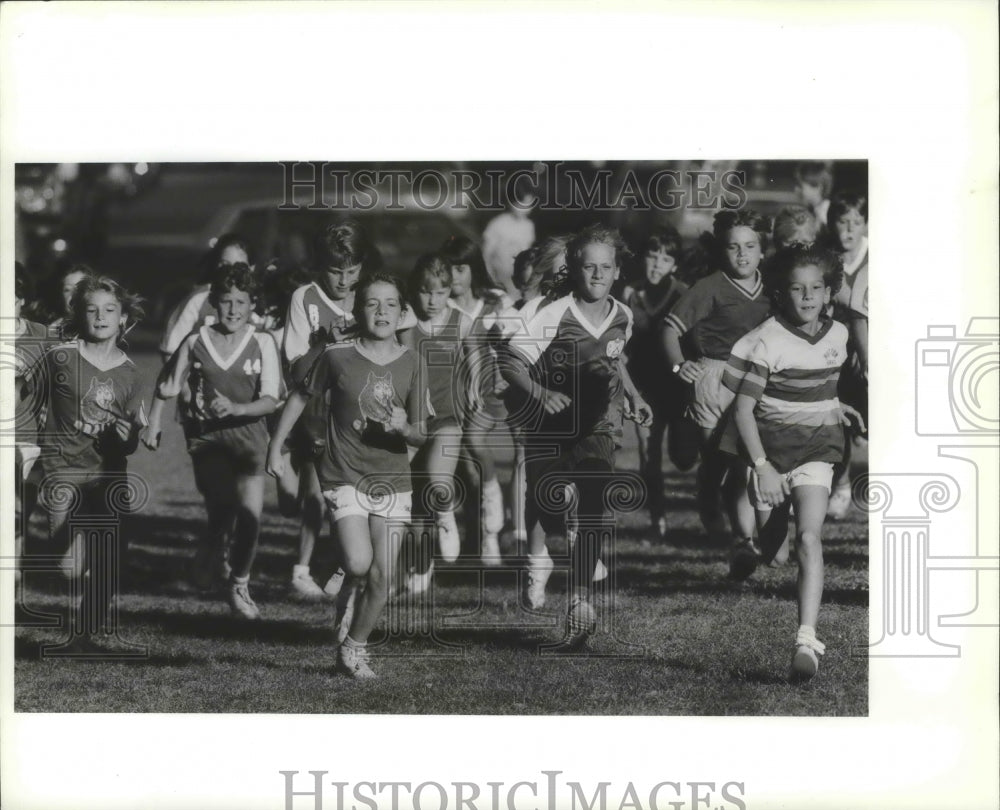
300, 571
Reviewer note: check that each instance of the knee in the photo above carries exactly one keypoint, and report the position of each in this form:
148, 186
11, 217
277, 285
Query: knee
356, 565
378, 582
809, 542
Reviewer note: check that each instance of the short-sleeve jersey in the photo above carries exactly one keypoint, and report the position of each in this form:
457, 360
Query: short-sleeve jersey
847, 303
251, 372
793, 377
441, 354
567, 354
83, 403
193, 312
30, 343
359, 395
718, 312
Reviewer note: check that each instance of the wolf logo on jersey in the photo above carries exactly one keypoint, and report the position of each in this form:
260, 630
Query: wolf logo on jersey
375, 399
96, 406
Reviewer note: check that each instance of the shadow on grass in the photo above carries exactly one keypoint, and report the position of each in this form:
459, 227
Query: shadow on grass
226, 627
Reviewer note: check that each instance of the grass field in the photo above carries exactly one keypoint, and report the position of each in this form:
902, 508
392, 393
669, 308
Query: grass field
676, 638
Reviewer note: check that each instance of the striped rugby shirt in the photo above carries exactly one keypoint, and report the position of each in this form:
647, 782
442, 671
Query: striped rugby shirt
793, 377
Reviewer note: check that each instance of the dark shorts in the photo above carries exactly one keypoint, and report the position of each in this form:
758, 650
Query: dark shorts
243, 446
588, 464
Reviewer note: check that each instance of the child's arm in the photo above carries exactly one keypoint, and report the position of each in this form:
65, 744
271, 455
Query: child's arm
687, 370
294, 405
270, 381
859, 337
772, 486
168, 385
515, 371
635, 406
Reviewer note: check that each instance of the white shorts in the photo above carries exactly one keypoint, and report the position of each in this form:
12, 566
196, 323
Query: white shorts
346, 500
810, 474
710, 399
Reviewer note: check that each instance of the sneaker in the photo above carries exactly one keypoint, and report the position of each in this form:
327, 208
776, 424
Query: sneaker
417, 584
539, 569
581, 622
492, 508
661, 527
743, 560
334, 584
240, 601
839, 504
805, 662
491, 550
353, 661
303, 587
600, 572
447, 533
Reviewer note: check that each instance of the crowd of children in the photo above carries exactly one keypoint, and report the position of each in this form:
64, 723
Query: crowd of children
367, 397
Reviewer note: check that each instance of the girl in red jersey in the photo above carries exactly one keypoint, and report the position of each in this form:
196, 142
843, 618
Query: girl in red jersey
93, 417
376, 406
232, 374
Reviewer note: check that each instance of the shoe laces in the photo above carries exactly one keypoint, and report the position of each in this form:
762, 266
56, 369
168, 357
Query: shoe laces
810, 641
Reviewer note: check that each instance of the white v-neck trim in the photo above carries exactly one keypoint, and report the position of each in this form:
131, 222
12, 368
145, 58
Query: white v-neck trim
331, 303
225, 364
756, 287
476, 310
594, 332
360, 350
120, 362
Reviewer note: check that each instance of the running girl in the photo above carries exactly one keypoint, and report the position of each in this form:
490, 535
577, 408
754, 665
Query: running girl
94, 413
375, 406
790, 423
232, 373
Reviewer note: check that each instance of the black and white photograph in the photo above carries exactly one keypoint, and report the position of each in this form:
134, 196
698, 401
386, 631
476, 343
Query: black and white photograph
461, 423
415, 406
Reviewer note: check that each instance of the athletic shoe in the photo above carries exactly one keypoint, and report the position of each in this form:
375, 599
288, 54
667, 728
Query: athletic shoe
840, 503
661, 527
600, 572
420, 583
805, 662
492, 508
539, 569
353, 661
447, 532
581, 622
334, 584
304, 587
743, 560
491, 550
240, 601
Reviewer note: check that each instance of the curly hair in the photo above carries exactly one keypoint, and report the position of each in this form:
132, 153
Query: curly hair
795, 223
344, 244
778, 268
228, 276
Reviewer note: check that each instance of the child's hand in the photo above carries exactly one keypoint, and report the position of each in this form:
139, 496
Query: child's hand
638, 411
847, 413
691, 370
396, 423
553, 402
772, 486
223, 406
151, 436
275, 465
